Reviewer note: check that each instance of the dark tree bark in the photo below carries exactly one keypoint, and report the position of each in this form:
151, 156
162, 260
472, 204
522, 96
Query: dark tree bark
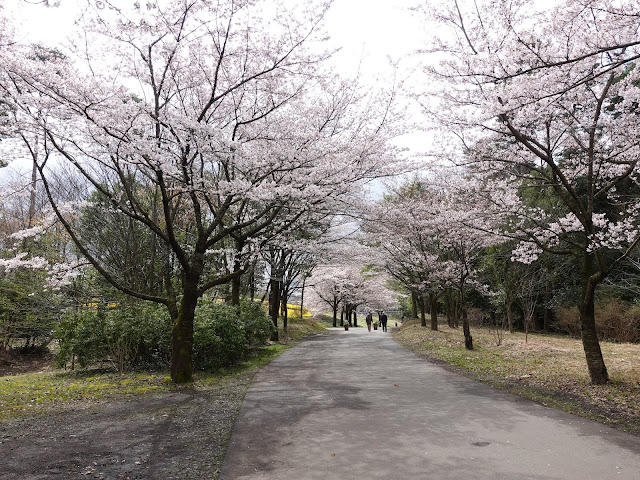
414, 304
274, 307
304, 281
182, 338
284, 309
591, 344
468, 339
433, 298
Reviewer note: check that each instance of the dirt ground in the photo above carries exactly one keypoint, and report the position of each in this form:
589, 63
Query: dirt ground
168, 435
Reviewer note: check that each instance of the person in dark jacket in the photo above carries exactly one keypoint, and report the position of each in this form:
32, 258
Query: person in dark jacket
369, 320
383, 321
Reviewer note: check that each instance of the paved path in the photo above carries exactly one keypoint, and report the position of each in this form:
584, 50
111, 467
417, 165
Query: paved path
355, 405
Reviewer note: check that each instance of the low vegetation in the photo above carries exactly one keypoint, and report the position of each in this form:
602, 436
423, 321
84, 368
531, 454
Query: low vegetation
550, 369
57, 389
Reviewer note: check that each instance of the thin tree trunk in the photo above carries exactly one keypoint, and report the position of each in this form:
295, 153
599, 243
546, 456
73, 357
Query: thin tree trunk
509, 306
304, 280
32, 194
447, 307
274, 307
335, 314
285, 310
414, 304
423, 318
468, 339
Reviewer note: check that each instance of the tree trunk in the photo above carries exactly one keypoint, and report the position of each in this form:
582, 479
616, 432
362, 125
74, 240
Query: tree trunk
448, 309
468, 339
414, 305
304, 280
32, 194
355, 318
509, 306
423, 318
182, 335
591, 344
236, 281
433, 300
235, 291
335, 315
274, 307
285, 310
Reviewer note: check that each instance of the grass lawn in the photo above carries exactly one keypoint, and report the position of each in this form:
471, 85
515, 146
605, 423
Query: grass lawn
547, 368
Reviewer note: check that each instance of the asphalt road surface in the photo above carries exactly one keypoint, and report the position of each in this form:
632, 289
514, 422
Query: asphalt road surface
355, 405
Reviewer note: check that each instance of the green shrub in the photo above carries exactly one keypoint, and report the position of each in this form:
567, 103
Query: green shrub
224, 333
258, 326
138, 335
219, 337
127, 336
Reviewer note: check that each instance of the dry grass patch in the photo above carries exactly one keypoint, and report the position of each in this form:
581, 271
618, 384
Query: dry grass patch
547, 368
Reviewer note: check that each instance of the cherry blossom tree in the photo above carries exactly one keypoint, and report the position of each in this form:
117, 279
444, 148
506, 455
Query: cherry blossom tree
344, 279
546, 100
209, 125
430, 238
402, 231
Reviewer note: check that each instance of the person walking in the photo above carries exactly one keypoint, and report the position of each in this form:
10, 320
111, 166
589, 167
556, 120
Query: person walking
383, 321
369, 319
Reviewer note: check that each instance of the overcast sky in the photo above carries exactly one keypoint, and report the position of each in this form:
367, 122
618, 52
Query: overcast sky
370, 34
368, 31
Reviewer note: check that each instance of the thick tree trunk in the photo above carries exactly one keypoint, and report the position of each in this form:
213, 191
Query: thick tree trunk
591, 344
182, 335
423, 318
468, 339
355, 318
433, 300
335, 315
235, 291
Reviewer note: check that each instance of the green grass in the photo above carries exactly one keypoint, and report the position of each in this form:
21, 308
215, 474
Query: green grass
299, 328
34, 393
550, 369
